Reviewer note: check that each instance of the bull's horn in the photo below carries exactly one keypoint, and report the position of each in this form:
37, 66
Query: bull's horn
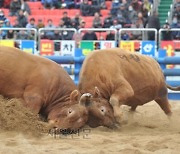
97, 93
85, 99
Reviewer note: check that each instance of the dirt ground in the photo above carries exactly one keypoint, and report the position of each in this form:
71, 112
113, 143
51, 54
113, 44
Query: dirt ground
147, 131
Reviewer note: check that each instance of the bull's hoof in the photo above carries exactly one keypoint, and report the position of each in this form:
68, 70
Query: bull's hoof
118, 119
115, 126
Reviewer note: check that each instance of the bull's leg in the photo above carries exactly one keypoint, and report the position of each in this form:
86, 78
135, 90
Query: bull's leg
133, 108
33, 99
119, 96
164, 104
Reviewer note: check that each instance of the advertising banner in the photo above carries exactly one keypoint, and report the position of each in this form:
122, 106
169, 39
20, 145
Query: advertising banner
46, 47
28, 46
88, 46
67, 48
148, 48
9, 43
169, 47
127, 45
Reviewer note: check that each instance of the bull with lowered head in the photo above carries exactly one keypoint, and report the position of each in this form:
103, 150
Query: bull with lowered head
116, 77
44, 86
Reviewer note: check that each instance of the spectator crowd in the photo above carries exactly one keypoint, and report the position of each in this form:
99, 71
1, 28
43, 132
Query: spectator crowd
122, 14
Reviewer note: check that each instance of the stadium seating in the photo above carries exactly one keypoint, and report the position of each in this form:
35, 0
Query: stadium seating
35, 5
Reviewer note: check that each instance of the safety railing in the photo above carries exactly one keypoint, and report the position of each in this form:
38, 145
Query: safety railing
22, 29
167, 30
99, 30
43, 32
143, 30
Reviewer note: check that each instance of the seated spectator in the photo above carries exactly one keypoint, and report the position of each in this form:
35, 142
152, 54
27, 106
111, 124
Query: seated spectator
166, 35
85, 8
51, 4
125, 36
15, 6
49, 33
22, 19
25, 7
67, 20
141, 18
136, 4
116, 25
2, 16
110, 35
77, 20
22, 35
103, 4
6, 24
114, 7
147, 5
57, 35
108, 21
132, 15
137, 35
82, 24
97, 23
31, 35
175, 24
69, 4
89, 35
1, 33
176, 3
74, 25
125, 4
67, 35
7, 4
77, 3
122, 15
1, 4
16, 23
10, 34
40, 24
177, 11
145, 9
31, 24
61, 24
95, 7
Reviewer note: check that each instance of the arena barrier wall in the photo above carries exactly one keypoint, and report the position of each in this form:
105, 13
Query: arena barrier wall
162, 59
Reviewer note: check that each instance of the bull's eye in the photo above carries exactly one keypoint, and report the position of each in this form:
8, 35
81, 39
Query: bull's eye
102, 109
70, 111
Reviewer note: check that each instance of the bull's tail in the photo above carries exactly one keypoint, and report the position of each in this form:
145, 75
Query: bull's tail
173, 88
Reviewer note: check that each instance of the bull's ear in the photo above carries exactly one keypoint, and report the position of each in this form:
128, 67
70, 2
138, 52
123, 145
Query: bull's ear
85, 100
97, 93
74, 95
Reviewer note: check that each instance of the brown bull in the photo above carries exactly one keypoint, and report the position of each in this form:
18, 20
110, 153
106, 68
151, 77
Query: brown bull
122, 78
43, 86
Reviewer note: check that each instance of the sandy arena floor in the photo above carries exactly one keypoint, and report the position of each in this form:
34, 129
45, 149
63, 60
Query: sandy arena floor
148, 131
